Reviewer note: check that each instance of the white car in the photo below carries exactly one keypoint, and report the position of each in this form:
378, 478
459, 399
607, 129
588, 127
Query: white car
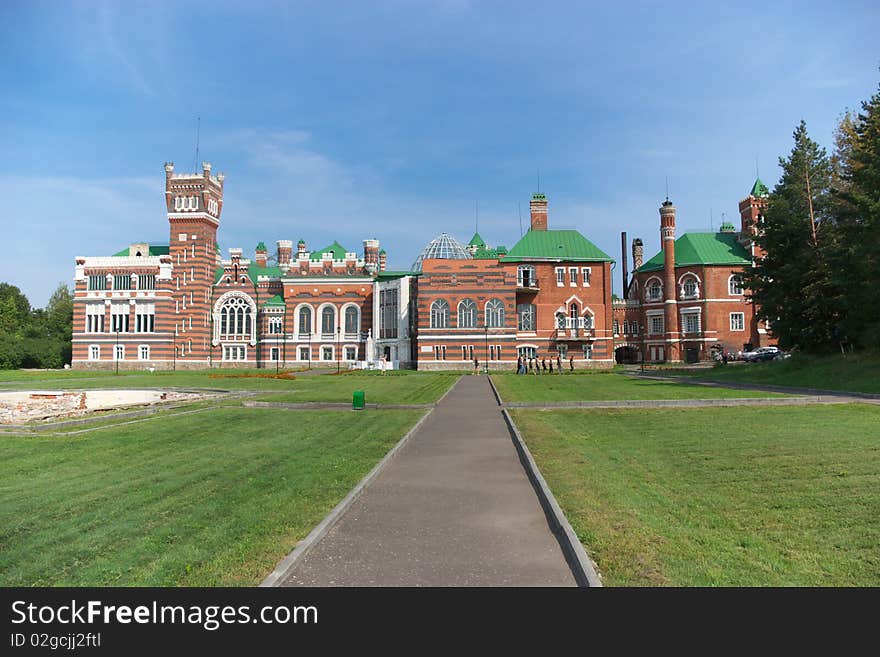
761, 353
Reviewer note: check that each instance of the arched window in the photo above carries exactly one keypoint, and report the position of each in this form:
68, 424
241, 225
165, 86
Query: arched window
351, 320
525, 313
573, 311
235, 318
467, 314
588, 321
328, 320
439, 314
494, 313
305, 320
655, 291
735, 284
689, 289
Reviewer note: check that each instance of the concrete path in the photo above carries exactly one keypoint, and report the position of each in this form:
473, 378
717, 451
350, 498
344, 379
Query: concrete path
454, 508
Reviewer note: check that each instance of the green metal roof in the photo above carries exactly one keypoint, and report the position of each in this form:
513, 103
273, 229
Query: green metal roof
382, 252
254, 272
154, 251
336, 249
538, 196
260, 247
703, 249
727, 227
476, 240
759, 188
275, 301
556, 245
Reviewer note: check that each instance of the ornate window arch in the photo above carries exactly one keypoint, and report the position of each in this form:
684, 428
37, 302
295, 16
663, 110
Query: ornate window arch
327, 319
653, 289
351, 316
235, 318
494, 313
440, 314
689, 286
467, 314
735, 284
304, 319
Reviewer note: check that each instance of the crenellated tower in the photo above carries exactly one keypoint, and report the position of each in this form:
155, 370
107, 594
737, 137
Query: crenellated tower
752, 210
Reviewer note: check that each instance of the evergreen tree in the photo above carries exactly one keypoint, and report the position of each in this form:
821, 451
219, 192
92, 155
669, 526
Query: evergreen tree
791, 285
857, 256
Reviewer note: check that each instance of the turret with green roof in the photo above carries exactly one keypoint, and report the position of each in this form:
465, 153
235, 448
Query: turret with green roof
759, 189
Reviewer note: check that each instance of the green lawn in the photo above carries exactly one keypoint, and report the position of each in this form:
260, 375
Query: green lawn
855, 373
753, 496
405, 387
212, 498
604, 386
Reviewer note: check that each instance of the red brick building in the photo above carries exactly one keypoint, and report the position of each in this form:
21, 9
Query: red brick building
687, 302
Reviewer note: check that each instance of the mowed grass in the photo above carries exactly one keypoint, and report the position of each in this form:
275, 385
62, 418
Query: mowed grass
601, 386
853, 373
208, 499
395, 387
756, 496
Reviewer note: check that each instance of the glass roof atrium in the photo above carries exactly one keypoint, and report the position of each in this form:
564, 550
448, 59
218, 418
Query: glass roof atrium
443, 246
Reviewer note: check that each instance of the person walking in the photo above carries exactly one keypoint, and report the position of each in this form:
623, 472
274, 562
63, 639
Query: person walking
571, 364
519, 365
544, 365
383, 365
558, 364
476, 365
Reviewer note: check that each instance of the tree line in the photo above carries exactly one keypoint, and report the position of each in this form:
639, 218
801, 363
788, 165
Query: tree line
35, 337
819, 284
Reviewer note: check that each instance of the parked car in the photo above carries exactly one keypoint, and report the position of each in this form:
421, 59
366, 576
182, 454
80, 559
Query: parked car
761, 354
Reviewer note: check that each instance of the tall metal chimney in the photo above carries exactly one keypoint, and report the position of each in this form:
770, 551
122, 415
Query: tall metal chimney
625, 262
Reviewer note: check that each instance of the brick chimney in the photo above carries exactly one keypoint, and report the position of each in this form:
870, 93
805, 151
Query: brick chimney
667, 238
382, 258
538, 207
638, 250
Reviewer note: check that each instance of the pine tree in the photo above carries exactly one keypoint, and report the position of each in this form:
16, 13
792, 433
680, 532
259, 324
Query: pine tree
857, 206
791, 285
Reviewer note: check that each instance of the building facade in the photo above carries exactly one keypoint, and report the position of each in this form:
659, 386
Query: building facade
183, 305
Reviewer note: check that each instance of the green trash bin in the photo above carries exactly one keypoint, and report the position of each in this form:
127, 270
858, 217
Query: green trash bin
357, 400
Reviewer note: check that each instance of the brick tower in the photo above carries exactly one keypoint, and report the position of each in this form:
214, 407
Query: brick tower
194, 202
538, 211
751, 210
670, 314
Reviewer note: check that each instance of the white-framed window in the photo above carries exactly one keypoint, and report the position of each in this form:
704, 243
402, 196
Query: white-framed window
304, 325
146, 281
97, 282
654, 290
443, 352
351, 353
690, 322
144, 352
119, 315
235, 318
328, 321
588, 321
525, 317
121, 281
491, 352
735, 284
95, 318
655, 325
467, 313
304, 353
634, 328
352, 321
494, 313
327, 352
234, 352
562, 350
119, 352
94, 352
616, 327
572, 276
527, 352
737, 321
145, 317
526, 276
689, 288
274, 354
276, 325
388, 311
588, 352
440, 313
560, 276
585, 274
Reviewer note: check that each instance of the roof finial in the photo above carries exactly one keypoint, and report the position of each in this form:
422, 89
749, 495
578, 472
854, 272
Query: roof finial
476, 216
539, 180
198, 134
667, 189
757, 173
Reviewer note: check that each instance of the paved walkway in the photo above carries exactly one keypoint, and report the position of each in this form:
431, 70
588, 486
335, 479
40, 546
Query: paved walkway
454, 508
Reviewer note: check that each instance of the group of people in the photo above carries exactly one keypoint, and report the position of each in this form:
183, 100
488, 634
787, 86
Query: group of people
535, 366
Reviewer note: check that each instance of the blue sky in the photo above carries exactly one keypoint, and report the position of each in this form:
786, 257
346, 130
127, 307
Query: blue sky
391, 119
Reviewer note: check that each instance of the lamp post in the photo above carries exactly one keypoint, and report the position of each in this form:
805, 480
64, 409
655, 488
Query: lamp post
337, 348
642, 350
487, 348
116, 352
309, 334
284, 336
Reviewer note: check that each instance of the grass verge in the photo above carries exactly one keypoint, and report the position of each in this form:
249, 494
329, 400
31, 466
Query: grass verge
778, 496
